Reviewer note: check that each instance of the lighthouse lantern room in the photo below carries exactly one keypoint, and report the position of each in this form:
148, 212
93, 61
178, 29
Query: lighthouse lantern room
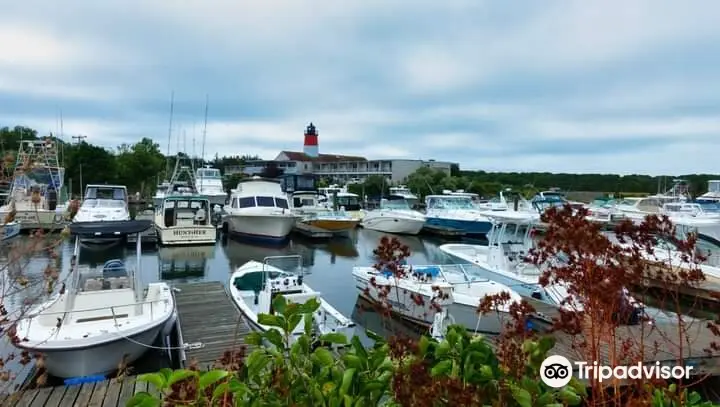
311, 141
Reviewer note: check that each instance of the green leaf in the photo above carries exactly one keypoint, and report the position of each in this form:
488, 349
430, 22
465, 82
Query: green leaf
212, 377
143, 399
375, 337
547, 400
270, 320
334, 338
358, 347
308, 328
352, 361
578, 386
442, 349
254, 338
569, 397
521, 396
279, 304
486, 373
310, 306
157, 380
293, 321
166, 372
693, 398
256, 362
442, 368
180, 375
347, 381
220, 390
275, 337
423, 345
324, 357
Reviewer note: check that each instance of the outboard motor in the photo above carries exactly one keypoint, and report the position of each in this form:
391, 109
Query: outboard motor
52, 198
516, 202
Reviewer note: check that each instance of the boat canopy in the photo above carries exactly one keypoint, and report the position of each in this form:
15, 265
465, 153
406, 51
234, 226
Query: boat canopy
114, 228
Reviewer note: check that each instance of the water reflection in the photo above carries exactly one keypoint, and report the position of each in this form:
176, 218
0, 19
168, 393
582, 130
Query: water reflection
184, 264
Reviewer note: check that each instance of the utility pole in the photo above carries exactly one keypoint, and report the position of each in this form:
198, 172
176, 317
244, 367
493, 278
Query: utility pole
79, 139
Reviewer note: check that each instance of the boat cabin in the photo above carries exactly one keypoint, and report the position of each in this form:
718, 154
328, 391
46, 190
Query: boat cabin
184, 211
449, 202
107, 192
335, 195
208, 173
116, 286
258, 201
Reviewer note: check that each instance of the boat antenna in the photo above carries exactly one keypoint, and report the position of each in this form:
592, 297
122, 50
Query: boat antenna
167, 156
62, 139
204, 137
194, 152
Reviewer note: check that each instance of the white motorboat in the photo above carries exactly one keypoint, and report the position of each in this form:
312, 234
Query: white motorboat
103, 203
456, 211
103, 317
463, 281
37, 195
182, 182
9, 230
185, 220
339, 198
394, 216
208, 182
712, 196
504, 260
405, 193
309, 207
259, 210
254, 285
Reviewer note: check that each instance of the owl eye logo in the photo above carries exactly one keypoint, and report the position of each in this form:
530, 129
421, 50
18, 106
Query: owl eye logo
556, 371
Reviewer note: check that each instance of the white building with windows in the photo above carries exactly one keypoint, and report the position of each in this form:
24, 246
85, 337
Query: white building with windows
340, 168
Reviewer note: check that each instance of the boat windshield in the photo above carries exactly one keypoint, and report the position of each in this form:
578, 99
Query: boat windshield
395, 204
209, 173
100, 192
453, 273
113, 275
455, 202
103, 203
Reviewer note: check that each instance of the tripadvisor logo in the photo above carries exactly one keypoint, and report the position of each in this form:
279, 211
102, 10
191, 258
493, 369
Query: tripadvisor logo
556, 371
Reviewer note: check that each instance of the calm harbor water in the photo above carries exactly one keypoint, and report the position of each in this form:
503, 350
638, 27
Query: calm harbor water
329, 265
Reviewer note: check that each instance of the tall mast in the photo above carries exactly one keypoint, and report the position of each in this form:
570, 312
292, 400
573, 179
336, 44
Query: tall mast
202, 158
167, 156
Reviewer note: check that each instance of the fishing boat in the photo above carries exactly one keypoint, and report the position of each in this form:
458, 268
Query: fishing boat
259, 211
404, 192
185, 220
464, 282
456, 212
712, 196
37, 196
394, 216
103, 316
208, 182
103, 203
254, 285
307, 204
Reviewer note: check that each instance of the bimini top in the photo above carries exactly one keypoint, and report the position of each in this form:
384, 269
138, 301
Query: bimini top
114, 228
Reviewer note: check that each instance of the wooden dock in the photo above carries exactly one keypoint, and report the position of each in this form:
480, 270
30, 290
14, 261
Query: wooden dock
311, 231
108, 393
209, 323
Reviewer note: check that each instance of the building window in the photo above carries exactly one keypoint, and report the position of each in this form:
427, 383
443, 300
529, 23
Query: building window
266, 201
248, 202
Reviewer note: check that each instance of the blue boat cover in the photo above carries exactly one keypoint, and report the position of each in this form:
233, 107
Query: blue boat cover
432, 271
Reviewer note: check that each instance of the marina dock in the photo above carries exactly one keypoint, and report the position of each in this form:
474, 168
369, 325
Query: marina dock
209, 323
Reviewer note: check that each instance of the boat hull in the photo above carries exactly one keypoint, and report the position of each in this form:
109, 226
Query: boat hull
471, 227
9, 230
393, 224
334, 225
38, 219
102, 359
269, 228
187, 236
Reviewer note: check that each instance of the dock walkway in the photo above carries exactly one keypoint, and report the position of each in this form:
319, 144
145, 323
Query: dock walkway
208, 321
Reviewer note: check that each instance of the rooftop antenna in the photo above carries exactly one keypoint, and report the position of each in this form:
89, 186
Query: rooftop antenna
202, 158
167, 156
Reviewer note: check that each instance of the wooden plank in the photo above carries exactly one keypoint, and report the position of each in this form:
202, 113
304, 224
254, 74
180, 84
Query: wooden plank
127, 390
207, 316
71, 394
56, 396
112, 395
42, 397
26, 398
140, 386
98, 394
83, 398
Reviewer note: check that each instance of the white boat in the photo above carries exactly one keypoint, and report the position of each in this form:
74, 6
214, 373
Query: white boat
309, 207
468, 289
456, 211
208, 182
259, 210
404, 192
103, 203
712, 196
254, 285
36, 195
103, 317
504, 260
339, 198
9, 230
185, 220
394, 216
182, 182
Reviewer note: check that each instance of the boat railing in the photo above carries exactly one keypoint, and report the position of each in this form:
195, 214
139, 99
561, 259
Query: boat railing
712, 260
445, 270
98, 314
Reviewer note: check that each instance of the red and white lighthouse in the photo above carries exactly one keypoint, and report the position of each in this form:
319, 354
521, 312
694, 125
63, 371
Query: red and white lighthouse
310, 148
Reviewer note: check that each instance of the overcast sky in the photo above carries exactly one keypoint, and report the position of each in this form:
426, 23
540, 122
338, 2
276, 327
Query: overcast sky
578, 86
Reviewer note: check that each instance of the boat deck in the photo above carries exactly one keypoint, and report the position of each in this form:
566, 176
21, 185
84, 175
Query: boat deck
209, 322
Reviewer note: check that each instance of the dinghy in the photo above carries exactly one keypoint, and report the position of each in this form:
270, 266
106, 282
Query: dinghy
254, 285
103, 317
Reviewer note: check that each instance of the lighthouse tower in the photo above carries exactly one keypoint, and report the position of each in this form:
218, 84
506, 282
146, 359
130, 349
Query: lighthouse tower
310, 147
